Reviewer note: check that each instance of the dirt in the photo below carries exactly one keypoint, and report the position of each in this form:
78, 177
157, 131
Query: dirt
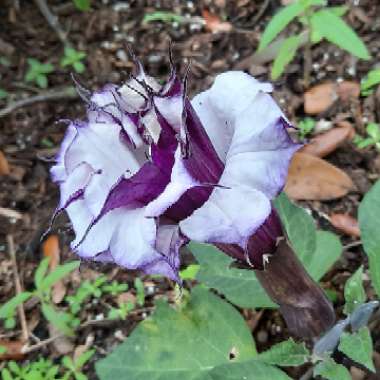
30, 135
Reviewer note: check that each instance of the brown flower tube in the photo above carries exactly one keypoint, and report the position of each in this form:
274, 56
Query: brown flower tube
303, 304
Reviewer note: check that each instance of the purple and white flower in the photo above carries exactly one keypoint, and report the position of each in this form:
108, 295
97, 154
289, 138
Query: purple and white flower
150, 170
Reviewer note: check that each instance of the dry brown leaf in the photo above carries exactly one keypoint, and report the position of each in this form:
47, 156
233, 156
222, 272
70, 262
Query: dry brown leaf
13, 349
214, 24
345, 223
327, 142
312, 178
322, 96
4, 166
50, 248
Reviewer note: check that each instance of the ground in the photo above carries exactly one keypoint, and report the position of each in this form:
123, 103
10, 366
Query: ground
30, 135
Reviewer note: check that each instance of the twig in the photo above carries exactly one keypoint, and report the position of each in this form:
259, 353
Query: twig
52, 21
20, 308
351, 245
92, 322
67, 92
307, 375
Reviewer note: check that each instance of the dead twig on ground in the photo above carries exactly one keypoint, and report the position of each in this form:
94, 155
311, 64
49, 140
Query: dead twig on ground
55, 94
52, 21
20, 308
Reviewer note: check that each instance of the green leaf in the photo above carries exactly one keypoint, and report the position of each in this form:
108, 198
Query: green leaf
79, 67
3, 350
186, 344
240, 286
82, 5
6, 375
248, 370
279, 22
40, 272
84, 358
358, 347
58, 274
354, 293
369, 211
328, 251
41, 80
335, 30
162, 16
372, 79
3, 94
140, 291
58, 319
373, 130
8, 309
287, 353
330, 370
285, 55
190, 272
299, 226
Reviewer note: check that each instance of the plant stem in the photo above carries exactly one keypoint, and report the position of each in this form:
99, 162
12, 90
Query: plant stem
303, 304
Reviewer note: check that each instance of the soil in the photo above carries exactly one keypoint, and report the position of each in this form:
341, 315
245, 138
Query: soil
30, 135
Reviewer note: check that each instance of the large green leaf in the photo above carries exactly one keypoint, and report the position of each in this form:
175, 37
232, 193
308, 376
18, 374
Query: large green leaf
327, 252
358, 346
250, 370
369, 211
279, 22
299, 226
240, 286
285, 55
185, 344
286, 353
335, 30
330, 370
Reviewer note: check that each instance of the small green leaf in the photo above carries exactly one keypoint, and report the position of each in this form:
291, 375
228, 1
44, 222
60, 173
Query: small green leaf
40, 272
140, 291
372, 79
84, 358
3, 350
335, 30
79, 67
369, 211
373, 130
162, 16
3, 94
279, 22
358, 347
354, 293
58, 319
82, 5
41, 80
330, 370
8, 309
190, 272
285, 55
6, 375
58, 274
284, 354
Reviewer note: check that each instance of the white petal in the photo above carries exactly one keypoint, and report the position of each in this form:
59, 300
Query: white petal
229, 216
99, 145
180, 181
171, 108
219, 108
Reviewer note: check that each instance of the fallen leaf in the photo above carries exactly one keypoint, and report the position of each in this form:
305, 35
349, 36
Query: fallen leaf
322, 96
13, 349
214, 24
325, 143
4, 166
312, 178
345, 223
50, 248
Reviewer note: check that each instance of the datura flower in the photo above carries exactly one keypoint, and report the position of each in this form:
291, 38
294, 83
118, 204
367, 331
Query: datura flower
150, 170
